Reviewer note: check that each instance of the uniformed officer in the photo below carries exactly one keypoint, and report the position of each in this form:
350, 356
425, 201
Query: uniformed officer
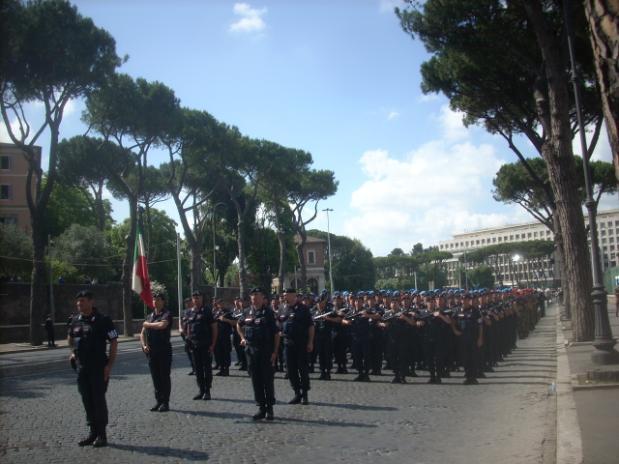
202, 336
326, 320
155, 339
298, 332
260, 337
182, 328
89, 333
469, 329
226, 323
241, 359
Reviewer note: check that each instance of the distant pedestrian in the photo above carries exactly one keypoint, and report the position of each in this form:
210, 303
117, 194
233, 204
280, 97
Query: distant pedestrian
49, 328
89, 334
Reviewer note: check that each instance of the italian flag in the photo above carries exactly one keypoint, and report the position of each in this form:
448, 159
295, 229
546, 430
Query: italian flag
141, 283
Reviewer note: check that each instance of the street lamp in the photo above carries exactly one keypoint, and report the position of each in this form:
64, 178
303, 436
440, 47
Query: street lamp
215, 249
603, 340
329, 245
516, 259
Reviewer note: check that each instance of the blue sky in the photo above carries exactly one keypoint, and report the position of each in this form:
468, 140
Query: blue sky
339, 79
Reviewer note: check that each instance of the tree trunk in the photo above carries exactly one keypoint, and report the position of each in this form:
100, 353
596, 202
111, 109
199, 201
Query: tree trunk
559, 158
303, 268
560, 266
195, 271
240, 240
38, 296
603, 18
281, 240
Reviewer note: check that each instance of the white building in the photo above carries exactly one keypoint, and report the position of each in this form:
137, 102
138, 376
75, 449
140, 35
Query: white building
538, 272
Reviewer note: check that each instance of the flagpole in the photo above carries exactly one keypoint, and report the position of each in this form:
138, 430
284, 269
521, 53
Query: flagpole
179, 280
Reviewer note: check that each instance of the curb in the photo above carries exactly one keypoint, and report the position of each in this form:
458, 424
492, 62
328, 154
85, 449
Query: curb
569, 435
30, 349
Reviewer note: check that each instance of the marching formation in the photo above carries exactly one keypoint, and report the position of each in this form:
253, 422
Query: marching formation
441, 332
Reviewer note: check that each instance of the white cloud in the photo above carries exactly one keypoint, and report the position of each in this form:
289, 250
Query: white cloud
4, 133
393, 115
431, 193
69, 108
250, 19
451, 123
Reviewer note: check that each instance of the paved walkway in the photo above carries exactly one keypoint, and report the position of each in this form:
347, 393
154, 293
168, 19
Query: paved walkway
596, 402
509, 418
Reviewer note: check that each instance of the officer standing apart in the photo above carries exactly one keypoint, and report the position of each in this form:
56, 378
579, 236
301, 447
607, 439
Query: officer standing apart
298, 330
202, 336
155, 339
89, 333
260, 337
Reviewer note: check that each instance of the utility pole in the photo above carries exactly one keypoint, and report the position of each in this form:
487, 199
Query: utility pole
329, 245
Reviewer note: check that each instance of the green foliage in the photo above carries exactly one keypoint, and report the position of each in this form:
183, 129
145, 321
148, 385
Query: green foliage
70, 205
83, 253
481, 277
353, 265
527, 249
52, 49
16, 252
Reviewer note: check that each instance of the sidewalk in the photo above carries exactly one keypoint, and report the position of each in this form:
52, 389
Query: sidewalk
587, 400
8, 348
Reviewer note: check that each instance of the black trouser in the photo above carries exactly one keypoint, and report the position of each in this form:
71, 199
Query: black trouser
202, 360
50, 337
297, 366
261, 371
188, 351
92, 388
361, 354
339, 348
436, 355
222, 352
324, 347
469, 354
376, 350
240, 351
398, 351
160, 363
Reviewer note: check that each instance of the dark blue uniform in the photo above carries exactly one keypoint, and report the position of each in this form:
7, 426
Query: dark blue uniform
223, 347
199, 335
295, 328
160, 355
260, 329
89, 336
360, 332
469, 323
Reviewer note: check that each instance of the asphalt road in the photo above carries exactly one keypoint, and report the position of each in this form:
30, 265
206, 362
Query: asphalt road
509, 418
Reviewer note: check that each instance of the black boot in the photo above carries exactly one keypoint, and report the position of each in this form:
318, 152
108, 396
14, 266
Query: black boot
156, 407
296, 399
89, 440
304, 399
269, 413
100, 441
207, 395
199, 396
261, 414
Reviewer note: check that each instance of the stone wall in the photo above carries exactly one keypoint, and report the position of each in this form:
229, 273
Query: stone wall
15, 304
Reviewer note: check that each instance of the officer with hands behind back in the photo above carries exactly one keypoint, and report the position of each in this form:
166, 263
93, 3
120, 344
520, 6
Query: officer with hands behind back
202, 336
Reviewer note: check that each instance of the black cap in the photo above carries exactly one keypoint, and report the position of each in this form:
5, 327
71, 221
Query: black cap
256, 290
290, 290
196, 293
159, 295
84, 294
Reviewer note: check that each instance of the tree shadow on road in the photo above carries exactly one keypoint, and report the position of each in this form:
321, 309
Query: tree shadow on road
241, 418
181, 454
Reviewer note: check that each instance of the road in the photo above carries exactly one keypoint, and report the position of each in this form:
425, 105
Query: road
508, 418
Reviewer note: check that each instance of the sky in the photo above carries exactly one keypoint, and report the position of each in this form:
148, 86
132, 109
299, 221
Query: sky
336, 78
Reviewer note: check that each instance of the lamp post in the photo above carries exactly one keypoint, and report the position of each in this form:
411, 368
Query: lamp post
329, 245
215, 250
603, 340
